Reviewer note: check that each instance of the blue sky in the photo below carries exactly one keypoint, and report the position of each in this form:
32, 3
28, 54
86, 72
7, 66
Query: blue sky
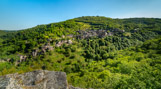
22, 14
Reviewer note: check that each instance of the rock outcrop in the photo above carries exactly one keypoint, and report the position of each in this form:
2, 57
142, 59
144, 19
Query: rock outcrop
40, 79
93, 33
60, 43
43, 50
35, 52
47, 47
22, 59
97, 33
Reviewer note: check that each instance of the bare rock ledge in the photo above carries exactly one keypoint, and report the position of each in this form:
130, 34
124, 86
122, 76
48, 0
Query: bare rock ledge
39, 79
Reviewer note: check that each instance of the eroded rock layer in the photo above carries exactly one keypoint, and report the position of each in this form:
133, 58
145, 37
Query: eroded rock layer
40, 79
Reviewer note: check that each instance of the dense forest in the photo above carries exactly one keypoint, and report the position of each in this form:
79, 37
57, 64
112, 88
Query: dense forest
95, 52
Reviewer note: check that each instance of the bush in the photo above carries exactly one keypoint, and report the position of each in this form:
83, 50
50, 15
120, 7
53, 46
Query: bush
67, 69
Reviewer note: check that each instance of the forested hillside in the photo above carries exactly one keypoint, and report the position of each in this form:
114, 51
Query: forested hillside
95, 52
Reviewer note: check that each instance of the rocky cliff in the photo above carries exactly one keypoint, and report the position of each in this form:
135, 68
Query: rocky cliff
40, 79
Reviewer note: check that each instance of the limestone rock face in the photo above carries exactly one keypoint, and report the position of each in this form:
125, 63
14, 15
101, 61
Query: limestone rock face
41, 79
60, 43
92, 33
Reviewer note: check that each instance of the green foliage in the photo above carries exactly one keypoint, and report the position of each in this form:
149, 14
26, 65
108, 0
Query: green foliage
130, 59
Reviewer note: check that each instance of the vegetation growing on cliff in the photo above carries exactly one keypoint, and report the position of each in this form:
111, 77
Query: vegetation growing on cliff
126, 56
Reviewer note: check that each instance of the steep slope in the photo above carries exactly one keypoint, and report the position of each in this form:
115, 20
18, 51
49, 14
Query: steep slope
94, 51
